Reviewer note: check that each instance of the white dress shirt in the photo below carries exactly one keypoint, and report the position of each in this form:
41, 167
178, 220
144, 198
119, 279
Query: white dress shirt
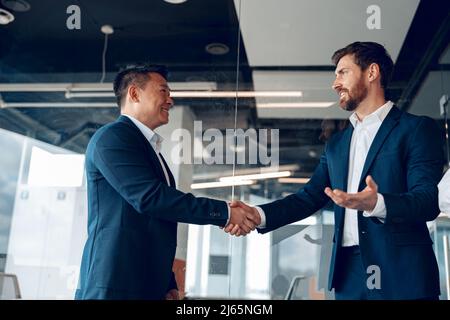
155, 141
363, 134
444, 193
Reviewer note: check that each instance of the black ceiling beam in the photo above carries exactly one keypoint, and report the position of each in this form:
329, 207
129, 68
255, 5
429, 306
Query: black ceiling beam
426, 40
23, 124
295, 68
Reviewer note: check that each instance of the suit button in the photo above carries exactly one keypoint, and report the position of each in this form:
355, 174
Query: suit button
363, 232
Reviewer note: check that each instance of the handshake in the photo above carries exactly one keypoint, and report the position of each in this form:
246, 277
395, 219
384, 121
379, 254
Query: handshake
243, 219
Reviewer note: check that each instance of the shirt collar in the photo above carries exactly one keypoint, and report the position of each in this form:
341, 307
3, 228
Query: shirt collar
378, 115
151, 136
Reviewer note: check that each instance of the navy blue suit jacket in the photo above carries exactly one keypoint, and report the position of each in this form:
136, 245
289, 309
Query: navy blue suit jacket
132, 219
406, 161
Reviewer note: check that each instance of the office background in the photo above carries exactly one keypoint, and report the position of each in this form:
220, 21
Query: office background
57, 62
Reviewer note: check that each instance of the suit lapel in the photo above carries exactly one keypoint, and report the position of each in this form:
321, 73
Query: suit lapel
157, 163
148, 148
342, 172
171, 178
386, 127
344, 146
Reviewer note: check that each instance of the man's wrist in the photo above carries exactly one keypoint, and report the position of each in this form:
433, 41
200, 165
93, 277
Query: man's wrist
262, 215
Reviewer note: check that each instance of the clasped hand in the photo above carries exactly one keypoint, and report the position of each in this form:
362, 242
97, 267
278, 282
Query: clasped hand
243, 219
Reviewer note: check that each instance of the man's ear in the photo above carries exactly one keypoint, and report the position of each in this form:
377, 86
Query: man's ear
373, 72
133, 93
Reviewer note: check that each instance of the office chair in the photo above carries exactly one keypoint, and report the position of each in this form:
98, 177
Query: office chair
445, 239
9, 287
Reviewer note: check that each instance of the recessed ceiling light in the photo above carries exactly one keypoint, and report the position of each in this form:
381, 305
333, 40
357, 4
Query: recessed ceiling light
217, 48
312, 153
175, 1
295, 105
16, 5
6, 17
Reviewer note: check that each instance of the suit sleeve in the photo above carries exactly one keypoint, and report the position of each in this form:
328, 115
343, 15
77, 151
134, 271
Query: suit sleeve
424, 164
173, 283
122, 160
302, 204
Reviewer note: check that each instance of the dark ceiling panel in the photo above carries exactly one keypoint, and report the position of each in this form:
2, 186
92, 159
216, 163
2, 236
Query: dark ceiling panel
152, 30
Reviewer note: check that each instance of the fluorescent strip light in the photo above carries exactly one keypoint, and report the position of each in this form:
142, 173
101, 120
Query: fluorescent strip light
217, 184
199, 94
179, 90
240, 172
258, 176
70, 95
233, 94
94, 86
58, 104
295, 105
293, 180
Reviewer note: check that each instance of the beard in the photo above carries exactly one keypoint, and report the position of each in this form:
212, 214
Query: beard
355, 97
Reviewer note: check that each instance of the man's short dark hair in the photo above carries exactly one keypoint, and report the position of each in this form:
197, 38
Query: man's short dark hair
137, 75
366, 53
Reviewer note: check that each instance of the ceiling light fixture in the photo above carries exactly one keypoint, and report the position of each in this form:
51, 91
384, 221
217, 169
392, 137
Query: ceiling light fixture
17, 5
94, 86
57, 105
312, 153
258, 176
221, 184
293, 180
199, 94
295, 105
233, 94
217, 48
175, 1
6, 17
219, 174
107, 29
179, 90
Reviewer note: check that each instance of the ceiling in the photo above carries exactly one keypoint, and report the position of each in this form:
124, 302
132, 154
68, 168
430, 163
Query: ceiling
306, 33
283, 45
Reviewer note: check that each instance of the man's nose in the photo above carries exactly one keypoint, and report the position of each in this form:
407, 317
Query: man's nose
336, 85
170, 101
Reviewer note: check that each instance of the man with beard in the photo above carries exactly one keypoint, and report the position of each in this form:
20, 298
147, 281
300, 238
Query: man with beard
382, 174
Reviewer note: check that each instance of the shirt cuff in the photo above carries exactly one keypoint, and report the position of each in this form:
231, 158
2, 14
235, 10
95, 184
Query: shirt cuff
263, 217
444, 193
229, 214
379, 211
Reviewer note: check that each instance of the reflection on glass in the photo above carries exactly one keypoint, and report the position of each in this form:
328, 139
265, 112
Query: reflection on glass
47, 230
